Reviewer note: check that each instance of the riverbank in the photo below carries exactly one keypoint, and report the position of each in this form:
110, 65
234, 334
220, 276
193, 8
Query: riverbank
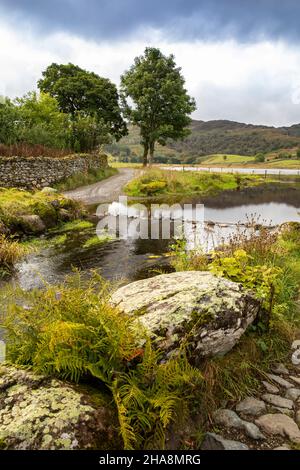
57, 333
26, 214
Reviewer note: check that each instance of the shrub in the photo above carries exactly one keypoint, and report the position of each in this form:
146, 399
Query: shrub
259, 158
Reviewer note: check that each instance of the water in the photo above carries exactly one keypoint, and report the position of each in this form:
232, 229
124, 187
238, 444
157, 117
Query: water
129, 260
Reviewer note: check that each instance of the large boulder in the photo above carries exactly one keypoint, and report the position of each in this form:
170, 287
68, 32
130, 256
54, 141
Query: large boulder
211, 312
32, 224
37, 412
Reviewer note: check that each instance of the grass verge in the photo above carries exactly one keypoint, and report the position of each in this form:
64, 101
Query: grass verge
83, 179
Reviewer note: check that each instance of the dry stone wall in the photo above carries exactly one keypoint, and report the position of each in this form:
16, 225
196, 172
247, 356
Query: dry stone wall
39, 172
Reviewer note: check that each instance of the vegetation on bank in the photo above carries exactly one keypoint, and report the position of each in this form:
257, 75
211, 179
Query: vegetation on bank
268, 263
15, 204
156, 182
10, 252
29, 213
71, 331
83, 179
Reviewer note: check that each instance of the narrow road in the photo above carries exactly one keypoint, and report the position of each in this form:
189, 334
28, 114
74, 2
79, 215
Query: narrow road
104, 191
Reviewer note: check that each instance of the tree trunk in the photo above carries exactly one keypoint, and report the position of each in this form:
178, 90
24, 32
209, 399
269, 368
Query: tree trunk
151, 153
145, 156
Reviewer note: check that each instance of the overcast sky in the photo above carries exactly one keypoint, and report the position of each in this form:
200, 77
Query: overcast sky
240, 58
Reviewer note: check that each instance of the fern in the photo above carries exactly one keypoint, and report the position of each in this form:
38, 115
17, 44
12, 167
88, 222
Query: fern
71, 331
127, 432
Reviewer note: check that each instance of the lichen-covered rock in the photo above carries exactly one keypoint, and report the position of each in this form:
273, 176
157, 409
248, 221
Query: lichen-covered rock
37, 412
214, 312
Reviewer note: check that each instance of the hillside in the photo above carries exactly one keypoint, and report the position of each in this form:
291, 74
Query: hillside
214, 137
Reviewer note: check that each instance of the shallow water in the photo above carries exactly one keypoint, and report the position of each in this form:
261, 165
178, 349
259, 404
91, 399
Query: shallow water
132, 259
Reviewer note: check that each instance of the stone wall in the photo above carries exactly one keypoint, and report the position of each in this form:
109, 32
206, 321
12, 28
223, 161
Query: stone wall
39, 172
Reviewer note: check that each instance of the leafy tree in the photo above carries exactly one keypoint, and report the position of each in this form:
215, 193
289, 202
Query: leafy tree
41, 121
80, 91
161, 105
298, 153
8, 122
89, 132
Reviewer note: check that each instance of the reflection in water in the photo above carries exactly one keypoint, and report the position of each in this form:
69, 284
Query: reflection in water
131, 259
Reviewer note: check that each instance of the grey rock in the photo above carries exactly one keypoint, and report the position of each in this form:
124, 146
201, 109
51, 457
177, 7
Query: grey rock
48, 190
251, 406
65, 215
252, 430
280, 369
32, 224
270, 387
229, 419
295, 379
293, 394
213, 310
279, 424
282, 448
296, 357
280, 381
278, 401
296, 344
214, 441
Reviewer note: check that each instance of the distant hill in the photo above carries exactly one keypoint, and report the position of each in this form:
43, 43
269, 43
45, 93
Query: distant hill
214, 137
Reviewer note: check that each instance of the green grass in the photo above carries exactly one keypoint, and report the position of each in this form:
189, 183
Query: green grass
74, 225
155, 182
83, 179
97, 240
230, 159
292, 164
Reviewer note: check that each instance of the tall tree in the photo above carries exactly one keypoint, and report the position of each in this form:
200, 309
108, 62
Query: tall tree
155, 99
82, 93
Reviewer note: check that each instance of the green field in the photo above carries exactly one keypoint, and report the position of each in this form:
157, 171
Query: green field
229, 159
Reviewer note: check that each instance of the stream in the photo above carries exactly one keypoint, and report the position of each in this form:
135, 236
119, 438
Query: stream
132, 259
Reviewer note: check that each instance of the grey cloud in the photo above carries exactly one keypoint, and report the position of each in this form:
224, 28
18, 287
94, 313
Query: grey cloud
245, 20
